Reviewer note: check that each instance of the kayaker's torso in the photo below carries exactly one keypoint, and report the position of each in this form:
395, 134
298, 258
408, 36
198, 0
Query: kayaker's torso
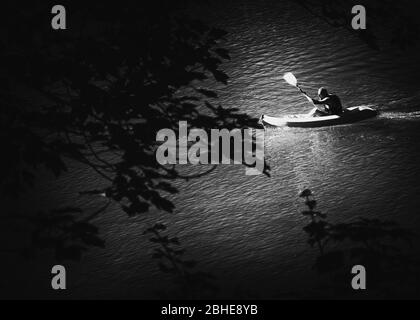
333, 104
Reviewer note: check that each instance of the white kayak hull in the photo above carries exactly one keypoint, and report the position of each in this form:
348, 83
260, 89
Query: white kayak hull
350, 115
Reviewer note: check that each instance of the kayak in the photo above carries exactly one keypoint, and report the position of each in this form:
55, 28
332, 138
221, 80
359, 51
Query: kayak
350, 115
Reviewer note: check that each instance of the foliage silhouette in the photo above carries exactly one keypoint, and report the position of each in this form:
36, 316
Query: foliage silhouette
378, 245
67, 231
191, 284
390, 17
98, 93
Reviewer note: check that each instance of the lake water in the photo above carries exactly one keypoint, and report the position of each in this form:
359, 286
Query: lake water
247, 230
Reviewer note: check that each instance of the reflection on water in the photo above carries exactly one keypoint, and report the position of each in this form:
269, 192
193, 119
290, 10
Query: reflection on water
247, 229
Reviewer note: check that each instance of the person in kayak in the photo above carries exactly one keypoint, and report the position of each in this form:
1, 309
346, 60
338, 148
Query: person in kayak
331, 102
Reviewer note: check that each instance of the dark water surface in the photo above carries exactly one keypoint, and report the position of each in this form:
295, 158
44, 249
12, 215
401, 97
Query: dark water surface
247, 230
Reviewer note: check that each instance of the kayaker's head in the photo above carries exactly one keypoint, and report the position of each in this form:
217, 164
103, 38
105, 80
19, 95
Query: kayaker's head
322, 93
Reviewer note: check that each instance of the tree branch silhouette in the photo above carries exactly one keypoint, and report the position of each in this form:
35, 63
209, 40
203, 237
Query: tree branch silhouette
98, 93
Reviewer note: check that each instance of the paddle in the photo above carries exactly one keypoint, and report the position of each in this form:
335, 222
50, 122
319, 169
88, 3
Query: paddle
291, 79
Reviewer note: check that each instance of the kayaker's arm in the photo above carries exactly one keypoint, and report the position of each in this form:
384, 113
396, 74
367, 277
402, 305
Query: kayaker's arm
322, 101
305, 94
313, 101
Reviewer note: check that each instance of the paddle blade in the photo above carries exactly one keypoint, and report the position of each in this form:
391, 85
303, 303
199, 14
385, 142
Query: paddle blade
290, 79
